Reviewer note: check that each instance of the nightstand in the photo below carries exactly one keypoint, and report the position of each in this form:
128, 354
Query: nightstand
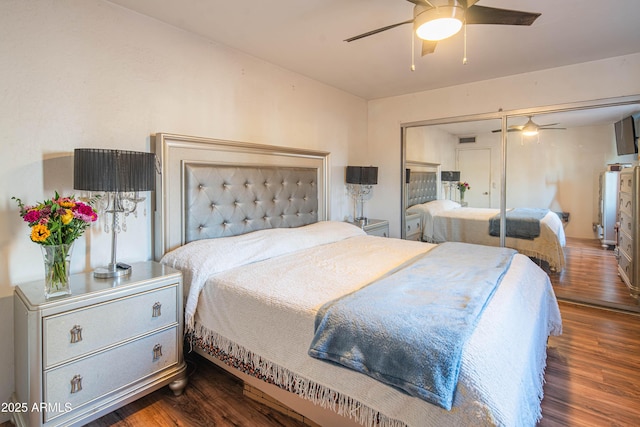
80, 356
375, 227
413, 227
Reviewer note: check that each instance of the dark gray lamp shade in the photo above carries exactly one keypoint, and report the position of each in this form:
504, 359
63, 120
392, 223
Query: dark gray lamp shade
96, 169
450, 176
363, 175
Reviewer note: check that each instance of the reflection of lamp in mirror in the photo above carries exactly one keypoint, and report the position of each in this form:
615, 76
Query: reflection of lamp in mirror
450, 180
360, 181
120, 175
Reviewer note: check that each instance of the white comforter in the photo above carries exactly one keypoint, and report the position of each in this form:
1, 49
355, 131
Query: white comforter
263, 313
447, 221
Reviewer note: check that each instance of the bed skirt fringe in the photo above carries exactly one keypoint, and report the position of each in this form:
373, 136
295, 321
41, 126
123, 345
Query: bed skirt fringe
252, 364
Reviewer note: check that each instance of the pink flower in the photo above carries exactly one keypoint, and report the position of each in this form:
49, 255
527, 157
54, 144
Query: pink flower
84, 212
33, 215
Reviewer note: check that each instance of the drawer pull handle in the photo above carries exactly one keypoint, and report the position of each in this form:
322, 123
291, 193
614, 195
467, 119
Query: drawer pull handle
76, 383
157, 310
76, 334
157, 352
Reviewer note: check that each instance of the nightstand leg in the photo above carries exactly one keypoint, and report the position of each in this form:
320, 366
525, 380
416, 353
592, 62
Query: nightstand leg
178, 385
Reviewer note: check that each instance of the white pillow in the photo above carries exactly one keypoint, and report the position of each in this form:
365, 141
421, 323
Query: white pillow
433, 207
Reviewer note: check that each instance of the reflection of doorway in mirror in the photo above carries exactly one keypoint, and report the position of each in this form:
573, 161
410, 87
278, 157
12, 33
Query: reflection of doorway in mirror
474, 165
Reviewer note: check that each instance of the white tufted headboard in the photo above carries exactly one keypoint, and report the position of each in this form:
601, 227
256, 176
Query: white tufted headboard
212, 188
424, 183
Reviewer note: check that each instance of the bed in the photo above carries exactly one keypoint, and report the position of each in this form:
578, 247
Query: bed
248, 227
446, 220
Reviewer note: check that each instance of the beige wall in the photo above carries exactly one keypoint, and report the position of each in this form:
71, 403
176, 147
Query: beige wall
583, 82
87, 73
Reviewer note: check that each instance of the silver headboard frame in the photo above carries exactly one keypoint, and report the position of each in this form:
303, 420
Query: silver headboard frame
424, 183
212, 188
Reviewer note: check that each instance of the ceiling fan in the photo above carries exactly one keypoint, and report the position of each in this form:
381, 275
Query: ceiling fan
530, 128
435, 20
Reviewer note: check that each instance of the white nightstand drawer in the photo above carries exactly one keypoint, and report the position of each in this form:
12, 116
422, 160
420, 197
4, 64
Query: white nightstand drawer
108, 371
626, 223
625, 267
413, 224
380, 229
626, 182
126, 318
625, 243
625, 202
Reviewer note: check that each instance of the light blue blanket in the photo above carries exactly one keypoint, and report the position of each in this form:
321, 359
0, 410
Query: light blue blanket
522, 223
408, 329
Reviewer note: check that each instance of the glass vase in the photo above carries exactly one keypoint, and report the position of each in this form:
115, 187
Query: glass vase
57, 260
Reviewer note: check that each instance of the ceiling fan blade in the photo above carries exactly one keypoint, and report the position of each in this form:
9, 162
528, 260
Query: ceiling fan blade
511, 129
491, 15
546, 126
379, 30
428, 47
419, 2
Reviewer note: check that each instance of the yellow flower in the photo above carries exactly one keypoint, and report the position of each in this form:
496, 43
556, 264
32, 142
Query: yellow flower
40, 233
67, 217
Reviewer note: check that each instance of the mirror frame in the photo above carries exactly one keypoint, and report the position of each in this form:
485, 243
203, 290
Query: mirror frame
503, 116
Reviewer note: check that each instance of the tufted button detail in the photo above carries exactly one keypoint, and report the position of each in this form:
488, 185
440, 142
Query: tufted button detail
201, 227
200, 187
246, 184
236, 203
299, 183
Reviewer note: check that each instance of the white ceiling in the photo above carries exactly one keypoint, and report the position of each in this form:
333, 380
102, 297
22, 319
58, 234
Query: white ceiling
306, 36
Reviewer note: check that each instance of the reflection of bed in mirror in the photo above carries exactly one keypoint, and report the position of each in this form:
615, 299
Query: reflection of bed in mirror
247, 225
536, 233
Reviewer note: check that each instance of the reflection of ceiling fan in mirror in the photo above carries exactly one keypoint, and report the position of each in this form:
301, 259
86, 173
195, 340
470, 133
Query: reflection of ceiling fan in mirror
435, 20
530, 128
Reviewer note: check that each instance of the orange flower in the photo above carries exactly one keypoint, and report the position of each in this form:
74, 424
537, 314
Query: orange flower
65, 202
40, 233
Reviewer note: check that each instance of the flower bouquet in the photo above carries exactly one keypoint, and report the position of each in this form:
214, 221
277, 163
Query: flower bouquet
55, 225
462, 187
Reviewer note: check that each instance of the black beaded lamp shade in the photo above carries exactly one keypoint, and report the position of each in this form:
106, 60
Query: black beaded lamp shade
96, 169
450, 176
363, 175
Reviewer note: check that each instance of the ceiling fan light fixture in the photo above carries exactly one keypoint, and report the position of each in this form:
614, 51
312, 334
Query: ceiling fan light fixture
530, 128
439, 23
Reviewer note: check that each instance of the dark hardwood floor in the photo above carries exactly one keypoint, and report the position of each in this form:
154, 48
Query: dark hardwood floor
592, 375
591, 277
